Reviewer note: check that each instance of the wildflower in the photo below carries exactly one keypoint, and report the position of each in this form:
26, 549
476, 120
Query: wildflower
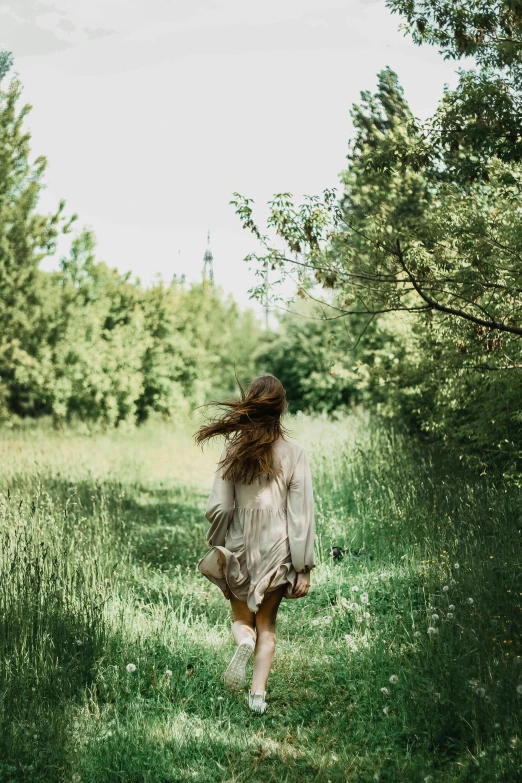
363, 598
355, 589
470, 601
456, 565
385, 691
445, 588
449, 616
432, 630
367, 615
394, 679
451, 607
519, 690
435, 617
131, 667
168, 673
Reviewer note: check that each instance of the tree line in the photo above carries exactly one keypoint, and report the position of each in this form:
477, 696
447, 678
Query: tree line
85, 341
411, 280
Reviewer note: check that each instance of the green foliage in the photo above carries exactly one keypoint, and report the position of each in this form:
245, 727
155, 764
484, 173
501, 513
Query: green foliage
87, 342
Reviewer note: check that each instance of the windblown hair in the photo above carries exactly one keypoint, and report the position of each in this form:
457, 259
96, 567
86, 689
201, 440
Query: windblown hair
251, 425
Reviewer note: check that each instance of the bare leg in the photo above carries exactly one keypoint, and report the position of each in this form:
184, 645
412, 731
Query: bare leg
265, 647
244, 620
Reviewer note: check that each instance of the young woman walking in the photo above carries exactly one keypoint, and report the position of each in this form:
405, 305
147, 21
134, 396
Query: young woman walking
261, 514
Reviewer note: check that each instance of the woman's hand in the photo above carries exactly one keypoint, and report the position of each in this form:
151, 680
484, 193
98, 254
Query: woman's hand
302, 585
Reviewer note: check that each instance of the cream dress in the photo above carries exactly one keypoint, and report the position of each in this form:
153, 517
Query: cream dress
261, 534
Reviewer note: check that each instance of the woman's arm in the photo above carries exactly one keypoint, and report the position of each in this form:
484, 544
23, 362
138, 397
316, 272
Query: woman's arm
300, 516
220, 507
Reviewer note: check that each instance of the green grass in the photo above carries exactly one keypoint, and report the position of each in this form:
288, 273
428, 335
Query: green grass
99, 539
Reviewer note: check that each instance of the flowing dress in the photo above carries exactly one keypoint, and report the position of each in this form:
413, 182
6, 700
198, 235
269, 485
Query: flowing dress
261, 534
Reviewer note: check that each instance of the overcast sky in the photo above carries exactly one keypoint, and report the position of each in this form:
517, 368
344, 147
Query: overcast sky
151, 113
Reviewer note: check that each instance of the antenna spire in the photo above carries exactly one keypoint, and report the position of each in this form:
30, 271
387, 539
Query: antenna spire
208, 263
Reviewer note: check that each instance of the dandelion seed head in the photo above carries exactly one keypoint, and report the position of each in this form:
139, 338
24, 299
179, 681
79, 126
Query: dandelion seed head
417, 634
470, 601
367, 615
363, 598
355, 589
445, 588
168, 673
432, 630
481, 691
456, 565
434, 616
452, 583
451, 607
131, 667
386, 710
519, 690
385, 691
450, 615
359, 619
394, 679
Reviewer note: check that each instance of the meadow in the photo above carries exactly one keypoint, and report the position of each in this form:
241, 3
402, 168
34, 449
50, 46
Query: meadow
404, 662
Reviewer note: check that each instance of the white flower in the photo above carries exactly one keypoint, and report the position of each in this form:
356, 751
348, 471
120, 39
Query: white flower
131, 667
168, 673
355, 589
451, 607
363, 598
519, 690
367, 615
470, 601
345, 602
432, 630
445, 588
449, 616
354, 606
394, 679
456, 565
434, 616
385, 691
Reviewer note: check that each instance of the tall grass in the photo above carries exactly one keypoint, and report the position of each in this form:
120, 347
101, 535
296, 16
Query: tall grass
403, 662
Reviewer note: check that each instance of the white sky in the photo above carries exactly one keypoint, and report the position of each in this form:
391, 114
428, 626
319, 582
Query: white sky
151, 113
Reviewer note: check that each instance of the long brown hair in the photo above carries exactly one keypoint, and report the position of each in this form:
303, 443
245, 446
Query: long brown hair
251, 425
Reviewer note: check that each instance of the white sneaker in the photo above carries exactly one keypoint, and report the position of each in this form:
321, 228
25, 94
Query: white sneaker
257, 702
236, 670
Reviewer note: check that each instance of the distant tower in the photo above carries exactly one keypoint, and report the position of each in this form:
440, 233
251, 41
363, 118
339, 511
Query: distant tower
208, 263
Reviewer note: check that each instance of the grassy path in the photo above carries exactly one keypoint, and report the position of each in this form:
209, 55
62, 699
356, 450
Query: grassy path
102, 535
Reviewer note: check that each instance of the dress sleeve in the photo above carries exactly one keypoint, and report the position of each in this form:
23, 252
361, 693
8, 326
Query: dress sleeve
220, 507
300, 516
